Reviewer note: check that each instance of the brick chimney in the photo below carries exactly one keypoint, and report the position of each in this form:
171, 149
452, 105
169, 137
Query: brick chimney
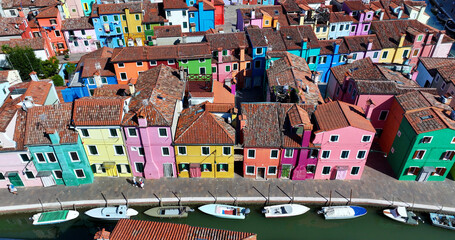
369, 109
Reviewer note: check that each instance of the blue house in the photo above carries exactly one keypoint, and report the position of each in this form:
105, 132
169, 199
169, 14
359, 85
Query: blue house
93, 70
339, 25
56, 150
302, 41
107, 25
331, 50
201, 15
263, 42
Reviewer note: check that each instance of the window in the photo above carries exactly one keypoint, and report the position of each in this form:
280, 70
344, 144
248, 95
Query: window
113, 133
201, 60
213, 69
29, 175
191, 15
312, 60
318, 29
313, 153
235, 66
342, 58
139, 29
123, 168
205, 151
383, 115
2, 176
448, 155
248, 65
426, 139
182, 150
118, 29
325, 154
126, 29
443, 85
361, 154
384, 55
341, 28
352, 28
267, 22
440, 171
53, 21
119, 150
228, 68
366, 138
418, 154
170, 62
405, 53
226, 151
365, 28
103, 80
139, 64
185, 61
91, 81
105, 18
251, 153
40, 157
85, 42
132, 132
58, 174
272, 170
355, 170
51, 157
24, 157
165, 151
257, 64
346, 27
153, 63
184, 167
415, 53
419, 38
375, 54
332, 28
123, 17
354, 56
79, 173
288, 153
162, 132
222, 167
185, 25
139, 167
86, 6
121, 65
413, 171
123, 76
92, 150
334, 138
206, 167
274, 154
344, 154
74, 157
322, 59
148, 27
259, 51
116, 18
137, 16
325, 170
310, 168
139, 149
249, 170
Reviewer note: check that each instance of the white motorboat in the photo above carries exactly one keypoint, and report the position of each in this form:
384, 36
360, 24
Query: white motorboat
111, 213
400, 214
284, 210
225, 211
54, 217
342, 212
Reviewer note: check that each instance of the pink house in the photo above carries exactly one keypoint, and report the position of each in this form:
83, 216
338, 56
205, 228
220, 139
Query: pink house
345, 137
248, 17
362, 14
361, 47
149, 125
80, 35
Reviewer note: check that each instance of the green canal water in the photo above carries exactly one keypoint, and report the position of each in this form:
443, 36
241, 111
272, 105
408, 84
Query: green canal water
308, 226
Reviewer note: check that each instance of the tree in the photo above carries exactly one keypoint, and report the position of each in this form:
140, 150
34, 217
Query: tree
69, 69
58, 80
50, 67
23, 60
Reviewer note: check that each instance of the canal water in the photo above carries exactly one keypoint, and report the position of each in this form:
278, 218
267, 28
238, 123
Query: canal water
372, 226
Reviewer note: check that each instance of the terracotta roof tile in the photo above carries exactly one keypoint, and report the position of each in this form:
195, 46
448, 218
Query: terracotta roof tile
227, 41
262, 127
221, 94
431, 64
51, 117
98, 111
88, 63
428, 119
355, 5
112, 90
152, 14
265, 37
35, 43
103, 9
6, 4
294, 35
8, 111
336, 115
193, 124
38, 90
340, 17
144, 53
327, 46
418, 99
35, 3
194, 51
8, 26
48, 12
77, 24
168, 31
360, 43
292, 116
174, 4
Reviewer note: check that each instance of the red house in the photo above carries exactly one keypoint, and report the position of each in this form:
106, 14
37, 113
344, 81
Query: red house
219, 11
50, 26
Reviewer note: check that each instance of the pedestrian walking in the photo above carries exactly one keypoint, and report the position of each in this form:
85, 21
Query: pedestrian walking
12, 189
134, 181
141, 183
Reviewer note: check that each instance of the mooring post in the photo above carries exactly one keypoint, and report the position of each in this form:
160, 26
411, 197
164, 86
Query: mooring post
104, 197
330, 198
42, 207
61, 207
126, 199
350, 197
268, 196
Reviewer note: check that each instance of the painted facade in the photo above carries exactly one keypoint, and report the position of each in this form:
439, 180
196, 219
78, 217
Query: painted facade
108, 26
176, 12
73, 9
362, 14
133, 30
301, 41
50, 25
339, 25
80, 35
201, 16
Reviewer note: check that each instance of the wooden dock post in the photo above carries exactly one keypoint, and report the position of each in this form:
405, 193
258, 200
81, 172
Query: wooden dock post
330, 198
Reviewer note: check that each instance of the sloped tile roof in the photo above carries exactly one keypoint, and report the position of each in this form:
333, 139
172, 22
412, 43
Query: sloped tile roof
447, 73
327, 46
360, 69
112, 90
128, 229
417, 99
227, 40
432, 64
275, 12
35, 43
144, 53
429, 119
88, 63
153, 13
7, 26
168, 31
294, 115
355, 5
6, 4
340, 17
194, 51
265, 37
336, 115
48, 12
262, 128
103, 9
174, 4
7, 112
49, 118
294, 35
77, 24
193, 125
98, 111
34, 3
290, 6
38, 90
360, 43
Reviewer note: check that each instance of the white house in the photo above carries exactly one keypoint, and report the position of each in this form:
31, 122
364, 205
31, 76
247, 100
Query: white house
176, 13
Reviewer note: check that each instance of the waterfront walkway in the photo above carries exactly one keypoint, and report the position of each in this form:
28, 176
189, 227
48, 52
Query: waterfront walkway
378, 187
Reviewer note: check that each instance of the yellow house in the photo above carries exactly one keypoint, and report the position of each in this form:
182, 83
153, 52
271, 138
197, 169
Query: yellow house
321, 31
133, 30
97, 120
204, 143
398, 54
387, 55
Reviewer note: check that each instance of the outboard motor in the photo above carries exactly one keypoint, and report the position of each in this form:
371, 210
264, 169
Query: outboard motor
246, 211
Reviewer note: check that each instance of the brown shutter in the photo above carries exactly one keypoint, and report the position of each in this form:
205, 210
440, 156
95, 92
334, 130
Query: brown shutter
443, 171
452, 153
415, 154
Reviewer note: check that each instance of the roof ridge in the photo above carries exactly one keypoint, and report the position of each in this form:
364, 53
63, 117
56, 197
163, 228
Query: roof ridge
189, 126
344, 114
219, 124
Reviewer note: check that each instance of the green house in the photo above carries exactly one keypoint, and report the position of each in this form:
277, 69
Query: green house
195, 58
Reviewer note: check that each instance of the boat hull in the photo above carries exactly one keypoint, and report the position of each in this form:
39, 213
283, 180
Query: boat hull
111, 213
388, 213
343, 212
276, 211
438, 220
168, 212
69, 216
214, 210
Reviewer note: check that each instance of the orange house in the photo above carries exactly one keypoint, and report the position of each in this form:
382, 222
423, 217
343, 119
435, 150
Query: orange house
50, 26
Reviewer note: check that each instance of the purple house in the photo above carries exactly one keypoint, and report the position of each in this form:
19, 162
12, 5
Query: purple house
362, 14
248, 17
149, 125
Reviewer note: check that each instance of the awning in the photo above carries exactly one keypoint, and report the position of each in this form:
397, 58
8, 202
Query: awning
429, 169
342, 168
108, 164
12, 173
44, 174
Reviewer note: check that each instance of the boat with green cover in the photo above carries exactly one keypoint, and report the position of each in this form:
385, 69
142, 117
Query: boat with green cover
169, 211
54, 217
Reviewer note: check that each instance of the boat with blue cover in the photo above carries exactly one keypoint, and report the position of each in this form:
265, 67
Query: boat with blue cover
342, 212
225, 211
54, 217
111, 213
443, 220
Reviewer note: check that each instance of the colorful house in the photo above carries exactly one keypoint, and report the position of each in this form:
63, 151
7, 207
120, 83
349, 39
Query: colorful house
73, 9
201, 152
426, 71
176, 12
80, 35
131, 19
301, 41
360, 47
219, 11
167, 35
362, 14
333, 53
248, 17
195, 58
56, 149
152, 18
108, 26
150, 123
344, 141
201, 16
339, 25
87, 6
50, 25
98, 121
419, 138
262, 17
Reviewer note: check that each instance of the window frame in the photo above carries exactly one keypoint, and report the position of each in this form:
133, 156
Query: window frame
135, 132
83, 131
357, 172
179, 152
286, 151
416, 154
71, 157
364, 155
259, 51
79, 169
110, 133
123, 78
55, 174
271, 167
248, 154
322, 154
344, 151
426, 137
136, 167
90, 152
230, 151
159, 132
38, 159
250, 166
202, 150
168, 152
334, 135
277, 153
369, 138
380, 114
153, 64
49, 158
325, 167
115, 150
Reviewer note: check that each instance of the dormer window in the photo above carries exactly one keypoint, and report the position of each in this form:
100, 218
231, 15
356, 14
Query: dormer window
419, 38
259, 51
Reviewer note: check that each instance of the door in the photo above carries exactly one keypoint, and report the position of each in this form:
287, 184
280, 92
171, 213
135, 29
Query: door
111, 169
257, 81
261, 173
46, 178
168, 171
286, 171
15, 179
341, 173
195, 170
109, 43
425, 173
98, 45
